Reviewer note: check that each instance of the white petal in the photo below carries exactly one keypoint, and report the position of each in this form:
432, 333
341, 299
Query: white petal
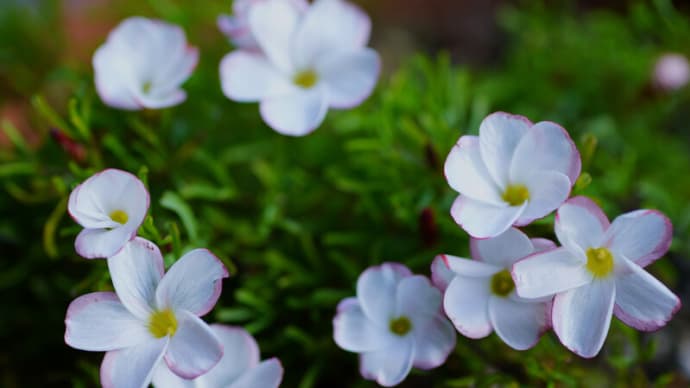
295, 114
354, 332
518, 324
241, 354
248, 76
329, 27
466, 172
418, 300
163, 377
115, 79
159, 102
542, 244
499, 135
132, 367
482, 219
580, 224
349, 77
273, 23
642, 301
546, 146
548, 273
193, 283
641, 236
441, 275
99, 322
87, 212
194, 348
102, 243
502, 250
376, 291
135, 272
582, 316
388, 366
466, 304
433, 343
268, 374
467, 267
547, 190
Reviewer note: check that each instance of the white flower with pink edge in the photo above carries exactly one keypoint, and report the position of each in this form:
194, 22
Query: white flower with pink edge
151, 316
511, 174
394, 323
599, 272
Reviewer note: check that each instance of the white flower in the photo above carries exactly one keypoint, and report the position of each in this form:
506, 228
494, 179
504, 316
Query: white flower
151, 317
110, 205
308, 62
236, 26
671, 72
480, 295
142, 65
239, 367
598, 272
511, 174
395, 322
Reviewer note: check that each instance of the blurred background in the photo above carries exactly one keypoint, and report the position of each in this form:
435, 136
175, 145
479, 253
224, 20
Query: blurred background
297, 220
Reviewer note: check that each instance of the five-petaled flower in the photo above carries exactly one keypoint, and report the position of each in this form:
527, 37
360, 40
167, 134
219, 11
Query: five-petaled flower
110, 205
239, 367
142, 65
152, 316
480, 295
395, 322
511, 174
598, 272
309, 61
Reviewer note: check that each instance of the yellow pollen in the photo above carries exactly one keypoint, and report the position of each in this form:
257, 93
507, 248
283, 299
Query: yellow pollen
146, 88
400, 326
516, 194
502, 283
119, 216
306, 79
599, 262
163, 323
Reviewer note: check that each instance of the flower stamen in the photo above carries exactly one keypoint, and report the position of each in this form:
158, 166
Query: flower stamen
516, 194
305, 79
400, 326
119, 216
163, 323
502, 283
599, 262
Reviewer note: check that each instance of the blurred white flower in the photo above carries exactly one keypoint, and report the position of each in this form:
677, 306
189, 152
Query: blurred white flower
142, 64
110, 205
151, 317
671, 72
511, 174
309, 61
395, 323
598, 272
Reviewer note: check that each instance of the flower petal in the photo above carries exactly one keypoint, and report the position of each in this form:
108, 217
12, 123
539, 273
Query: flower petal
115, 79
466, 304
582, 316
99, 322
86, 212
542, 244
546, 146
441, 275
241, 354
641, 236
268, 374
580, 224
388, 366
135, 272
248, 76
482, 219
518, 324
194, 348
273, 23
163, 377
548, 190
467, 267
354, 332
502, 250
642, 301
102, 243
349, 77
466, 172
499, 135
376, 290
548, 273
295, 114
433, 343
193, 283
132, 367
418, 300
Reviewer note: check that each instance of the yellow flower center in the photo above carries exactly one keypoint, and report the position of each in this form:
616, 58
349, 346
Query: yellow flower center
119, 216
599, 262
502, 283
306, 79
516, 194
146, 88
400, 326
163, 323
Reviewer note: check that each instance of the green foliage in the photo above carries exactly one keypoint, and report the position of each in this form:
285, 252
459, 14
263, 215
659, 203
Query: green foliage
297, 219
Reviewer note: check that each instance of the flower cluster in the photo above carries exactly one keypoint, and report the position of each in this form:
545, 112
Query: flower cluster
150, 327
